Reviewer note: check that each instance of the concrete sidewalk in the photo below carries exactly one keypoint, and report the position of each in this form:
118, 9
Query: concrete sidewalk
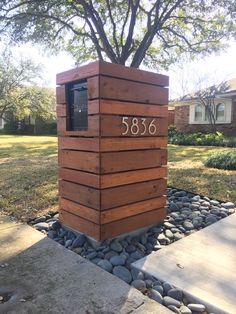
41, 276
203, 265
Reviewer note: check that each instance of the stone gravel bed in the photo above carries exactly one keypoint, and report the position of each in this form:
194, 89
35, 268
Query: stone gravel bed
187, 213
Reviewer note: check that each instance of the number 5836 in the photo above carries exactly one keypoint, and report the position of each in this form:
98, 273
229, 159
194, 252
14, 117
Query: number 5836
139, 126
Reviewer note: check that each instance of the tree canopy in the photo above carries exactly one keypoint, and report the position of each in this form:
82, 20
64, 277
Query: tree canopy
131, 32
17, 97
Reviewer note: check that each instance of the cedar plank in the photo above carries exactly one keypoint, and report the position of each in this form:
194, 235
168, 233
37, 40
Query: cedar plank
128, 194
116, 228
81, 177
132, 209
79, 224
80, 194
79, 210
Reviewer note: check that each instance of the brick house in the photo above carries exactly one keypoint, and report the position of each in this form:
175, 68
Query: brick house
191, 116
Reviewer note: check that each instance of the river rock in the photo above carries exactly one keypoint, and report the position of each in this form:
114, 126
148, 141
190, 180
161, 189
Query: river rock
155, 295
123, 273
105, 264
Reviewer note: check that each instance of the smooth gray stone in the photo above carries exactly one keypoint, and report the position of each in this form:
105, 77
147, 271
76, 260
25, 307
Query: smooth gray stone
170, 301
167, 287
39, 219
169, 234
105, 264
176, 294
137, 274
130, 248
155, 295
139, 284
149, 283
174, 309
168, 225
79, 241
159, 288
178, 236
188, 225
228, 205
41, 226
109, 254
123, 273
116, 246
117, 260
91, 255
197, 307
185, 310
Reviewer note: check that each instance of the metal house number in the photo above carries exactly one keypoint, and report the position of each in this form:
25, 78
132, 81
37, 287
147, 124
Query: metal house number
139, 126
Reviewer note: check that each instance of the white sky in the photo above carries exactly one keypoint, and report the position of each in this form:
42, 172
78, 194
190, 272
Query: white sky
222, 67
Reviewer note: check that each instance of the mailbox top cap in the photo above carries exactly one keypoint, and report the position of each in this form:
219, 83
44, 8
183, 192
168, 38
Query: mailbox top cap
114, 70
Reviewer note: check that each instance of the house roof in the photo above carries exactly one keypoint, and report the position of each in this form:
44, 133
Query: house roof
229, 92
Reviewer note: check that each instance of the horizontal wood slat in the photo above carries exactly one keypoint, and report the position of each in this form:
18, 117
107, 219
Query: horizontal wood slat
79, 160
81, 224
132, 160
111, 88
79, 143
112, 126
93, 127
115, 228
131, 109
79, 73
118, 144
80, 194
117, 179
61, 111
79, 210
80, 177
122, 195
119, 71
61, 94
132, 209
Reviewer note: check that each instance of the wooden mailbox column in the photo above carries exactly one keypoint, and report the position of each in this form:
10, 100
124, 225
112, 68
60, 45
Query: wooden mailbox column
112, 176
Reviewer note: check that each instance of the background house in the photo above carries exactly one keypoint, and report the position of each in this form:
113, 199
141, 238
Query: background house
191, 115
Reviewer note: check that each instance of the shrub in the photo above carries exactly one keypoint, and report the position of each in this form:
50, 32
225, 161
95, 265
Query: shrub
225, 160
210, 139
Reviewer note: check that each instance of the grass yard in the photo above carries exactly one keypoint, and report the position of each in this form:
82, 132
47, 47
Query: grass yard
28, 172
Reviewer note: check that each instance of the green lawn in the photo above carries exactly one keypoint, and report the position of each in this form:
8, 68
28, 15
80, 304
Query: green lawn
28, 170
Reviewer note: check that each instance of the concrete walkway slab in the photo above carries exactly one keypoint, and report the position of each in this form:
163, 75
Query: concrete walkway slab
202, 264
41, 276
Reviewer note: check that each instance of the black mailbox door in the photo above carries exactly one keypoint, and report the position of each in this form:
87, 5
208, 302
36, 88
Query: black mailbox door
78, 106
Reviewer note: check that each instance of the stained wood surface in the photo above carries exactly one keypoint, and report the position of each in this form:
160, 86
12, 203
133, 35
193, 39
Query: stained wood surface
93, 127
122, 178
112, 126
132, 209
79, 73
60, 95
79, 143
112, 162
80, 177
132, 223
117, 70
84, 161
80, 194
128, 194
79, 210
81, 224
116, 89
130, 109
61, 111
118, 144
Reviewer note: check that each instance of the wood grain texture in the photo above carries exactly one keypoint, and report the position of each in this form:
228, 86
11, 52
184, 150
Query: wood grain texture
123, 178
80, 177
80, 194
79, 210
93, 127
118, 227
80, 224
61, 111
131, 109
60, 94
112, 126
132, 160
79, 73
116, 89
79, 143
118, 213
128, 194
84, 161
122, 144
120, 71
